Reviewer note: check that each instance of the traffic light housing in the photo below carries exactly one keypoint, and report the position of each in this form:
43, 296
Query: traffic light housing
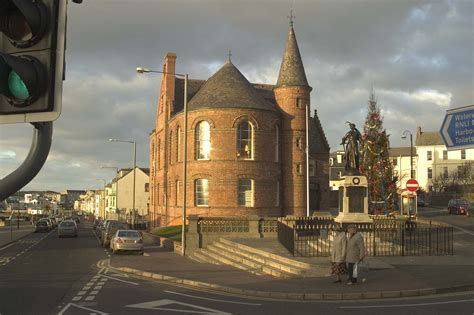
31, 59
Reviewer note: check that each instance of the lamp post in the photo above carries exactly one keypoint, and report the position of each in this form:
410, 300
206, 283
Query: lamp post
116, 189
404, 136
185, 143
134, 174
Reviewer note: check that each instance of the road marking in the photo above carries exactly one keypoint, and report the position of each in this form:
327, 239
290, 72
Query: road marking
5, 247
113, 278
81, 292
156, 305
94, 292
90, 298
463, 230
209, 299
409, 305
70, 305
77, 298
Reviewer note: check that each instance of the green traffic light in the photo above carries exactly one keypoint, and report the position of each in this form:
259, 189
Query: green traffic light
17, 86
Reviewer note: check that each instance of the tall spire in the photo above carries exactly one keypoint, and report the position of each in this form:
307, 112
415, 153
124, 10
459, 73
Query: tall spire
292, 69
372, 99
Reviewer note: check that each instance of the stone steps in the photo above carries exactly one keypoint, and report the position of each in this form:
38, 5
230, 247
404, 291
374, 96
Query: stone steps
254, 260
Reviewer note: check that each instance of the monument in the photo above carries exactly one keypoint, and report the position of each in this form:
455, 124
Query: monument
353, 187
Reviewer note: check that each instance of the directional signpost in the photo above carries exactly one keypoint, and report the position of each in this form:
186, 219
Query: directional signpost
457, 130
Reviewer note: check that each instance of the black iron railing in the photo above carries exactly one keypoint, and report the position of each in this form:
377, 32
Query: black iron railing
309, 237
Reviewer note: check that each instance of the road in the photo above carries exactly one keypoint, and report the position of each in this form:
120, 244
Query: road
42, 274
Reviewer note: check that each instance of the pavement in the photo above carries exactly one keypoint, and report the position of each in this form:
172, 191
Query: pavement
401, 276
10, 234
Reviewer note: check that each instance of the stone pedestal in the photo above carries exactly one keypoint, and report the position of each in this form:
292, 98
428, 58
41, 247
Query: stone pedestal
353, 200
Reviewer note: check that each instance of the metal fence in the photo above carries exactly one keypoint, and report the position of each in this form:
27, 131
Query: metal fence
309, 237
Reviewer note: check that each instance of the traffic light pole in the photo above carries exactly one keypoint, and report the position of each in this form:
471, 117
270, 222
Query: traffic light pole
33, 163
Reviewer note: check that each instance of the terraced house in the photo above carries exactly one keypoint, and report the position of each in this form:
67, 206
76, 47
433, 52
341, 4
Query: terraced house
245, 144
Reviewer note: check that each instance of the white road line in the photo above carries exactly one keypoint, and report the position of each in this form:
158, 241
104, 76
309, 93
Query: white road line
463, 230
113, 278
209, 299
5, 247
94, 292
407, 305
101, 283
76, 298
82, 292
97, 287
90, 298
91, 311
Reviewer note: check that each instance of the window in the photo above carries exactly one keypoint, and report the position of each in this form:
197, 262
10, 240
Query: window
395, 161
299, 103
430, 173
158, 152
244, 140
202, 192
299, 143
245, 192
462, 171
445, 172
429, 155
170, 147
413, 174
178, 144
203, 140
147, 187
445, 154
157, 194
463, 154
312, 167
277, 200
277, 143
299, 169
176, 193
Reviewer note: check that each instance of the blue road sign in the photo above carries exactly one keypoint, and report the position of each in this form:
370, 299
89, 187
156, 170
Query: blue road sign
457, 129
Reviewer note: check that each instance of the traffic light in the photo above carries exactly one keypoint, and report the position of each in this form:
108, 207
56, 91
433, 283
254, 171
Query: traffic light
31, 59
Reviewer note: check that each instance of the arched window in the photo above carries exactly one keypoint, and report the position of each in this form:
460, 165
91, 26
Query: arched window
245, 192
201, 192
178, 144
158, 153
170, 147
277, 143
245, 140
203, 141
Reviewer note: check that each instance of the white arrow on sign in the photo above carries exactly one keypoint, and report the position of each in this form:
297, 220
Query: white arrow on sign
444, 131
158, 305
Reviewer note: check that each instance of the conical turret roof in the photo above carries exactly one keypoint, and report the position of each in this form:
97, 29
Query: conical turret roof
292, 69
228, 88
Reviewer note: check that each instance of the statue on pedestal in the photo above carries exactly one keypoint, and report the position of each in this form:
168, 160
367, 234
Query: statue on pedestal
351, 148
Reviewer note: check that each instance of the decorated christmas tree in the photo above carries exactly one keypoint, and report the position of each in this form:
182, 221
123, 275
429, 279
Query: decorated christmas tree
375, 162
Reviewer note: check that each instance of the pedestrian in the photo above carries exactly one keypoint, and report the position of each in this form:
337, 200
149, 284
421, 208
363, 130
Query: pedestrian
338, 254
355, 252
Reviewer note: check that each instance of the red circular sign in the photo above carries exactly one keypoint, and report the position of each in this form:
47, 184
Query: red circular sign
412, 184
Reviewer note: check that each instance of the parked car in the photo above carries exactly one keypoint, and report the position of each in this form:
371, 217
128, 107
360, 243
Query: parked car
458, 206
48, 222
96, 223
42, 226
127, 240
105, 226
110, 231
67, 228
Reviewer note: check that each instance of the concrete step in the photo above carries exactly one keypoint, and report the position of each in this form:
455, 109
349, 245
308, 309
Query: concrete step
281, 259
222, 259
202, 257
258, 261
243, 259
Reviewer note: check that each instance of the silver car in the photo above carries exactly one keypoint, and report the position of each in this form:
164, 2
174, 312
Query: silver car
127, 240
67, 228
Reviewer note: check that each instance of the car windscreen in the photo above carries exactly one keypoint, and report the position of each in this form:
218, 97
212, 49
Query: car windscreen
67, 223
129, 234
41, 223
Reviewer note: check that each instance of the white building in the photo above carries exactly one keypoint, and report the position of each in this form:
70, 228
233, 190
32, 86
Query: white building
125, 191
400, 158
434, 160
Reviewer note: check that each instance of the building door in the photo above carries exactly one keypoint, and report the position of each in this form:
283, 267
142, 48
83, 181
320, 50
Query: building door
314, 197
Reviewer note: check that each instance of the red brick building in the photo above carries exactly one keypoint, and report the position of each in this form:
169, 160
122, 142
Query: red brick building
246, 145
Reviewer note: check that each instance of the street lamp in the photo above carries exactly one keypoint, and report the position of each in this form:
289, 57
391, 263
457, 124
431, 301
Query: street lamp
404, 136
185, 142
134, 175
116, 189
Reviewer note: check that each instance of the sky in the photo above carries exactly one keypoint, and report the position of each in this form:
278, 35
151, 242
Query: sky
419, 55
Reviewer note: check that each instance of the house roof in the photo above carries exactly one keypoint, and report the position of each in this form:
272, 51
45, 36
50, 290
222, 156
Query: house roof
428, 138
228, 88
403, 151
292, 70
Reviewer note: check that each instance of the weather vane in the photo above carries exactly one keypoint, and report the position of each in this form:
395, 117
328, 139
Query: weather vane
291, 17
230, 55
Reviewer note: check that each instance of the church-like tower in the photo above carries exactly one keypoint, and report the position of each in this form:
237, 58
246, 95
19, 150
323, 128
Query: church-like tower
292, 94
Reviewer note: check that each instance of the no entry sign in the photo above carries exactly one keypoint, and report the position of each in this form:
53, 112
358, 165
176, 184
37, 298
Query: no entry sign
412, 184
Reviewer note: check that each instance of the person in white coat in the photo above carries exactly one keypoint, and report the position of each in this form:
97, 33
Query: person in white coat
338, 253
355, 251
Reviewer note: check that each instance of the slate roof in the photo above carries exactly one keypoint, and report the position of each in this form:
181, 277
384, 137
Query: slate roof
403, 151
428, 138
228, 88
319, 142
292, 69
